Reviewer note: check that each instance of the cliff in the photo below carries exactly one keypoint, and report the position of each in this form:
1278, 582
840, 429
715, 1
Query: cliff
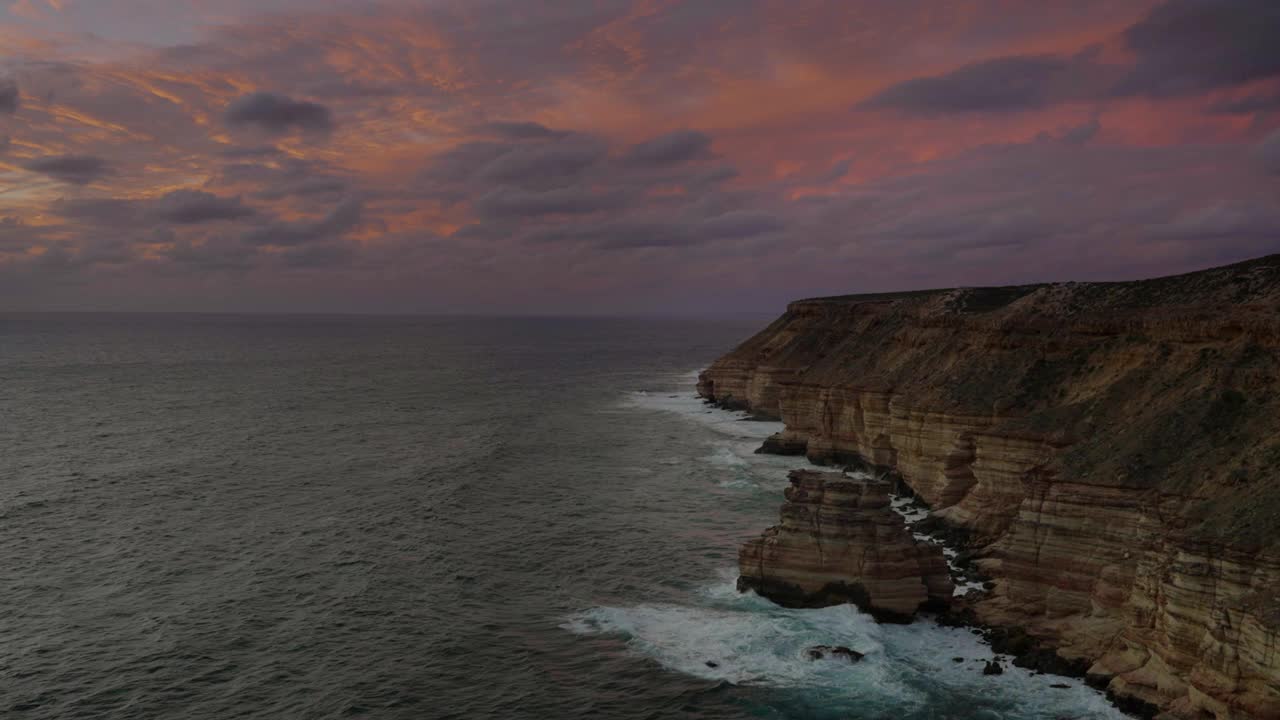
1110, 453
839, 541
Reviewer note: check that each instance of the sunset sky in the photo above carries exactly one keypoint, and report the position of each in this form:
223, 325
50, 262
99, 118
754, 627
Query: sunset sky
622, 156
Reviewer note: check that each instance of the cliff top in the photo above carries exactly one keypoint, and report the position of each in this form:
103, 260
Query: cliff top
1250, 281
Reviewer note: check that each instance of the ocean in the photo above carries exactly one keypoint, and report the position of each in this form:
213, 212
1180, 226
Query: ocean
411, 517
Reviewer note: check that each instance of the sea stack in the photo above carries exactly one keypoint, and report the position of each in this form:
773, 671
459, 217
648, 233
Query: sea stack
839, 541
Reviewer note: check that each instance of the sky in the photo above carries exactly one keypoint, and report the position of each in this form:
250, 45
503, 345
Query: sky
622, 156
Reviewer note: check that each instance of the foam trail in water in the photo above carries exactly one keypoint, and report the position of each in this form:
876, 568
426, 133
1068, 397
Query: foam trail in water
683, 400
746, 640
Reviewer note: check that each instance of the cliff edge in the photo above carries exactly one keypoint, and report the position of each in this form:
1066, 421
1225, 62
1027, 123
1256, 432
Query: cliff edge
1110, 453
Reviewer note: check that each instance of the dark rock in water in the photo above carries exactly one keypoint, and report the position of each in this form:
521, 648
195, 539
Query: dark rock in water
839, 541
712, 664
957, 659
992, 668
1060, 686
778, 444
818, 652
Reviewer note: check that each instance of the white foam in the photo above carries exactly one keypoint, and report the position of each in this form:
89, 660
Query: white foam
683, 400
750, 640
727, 456
754, 642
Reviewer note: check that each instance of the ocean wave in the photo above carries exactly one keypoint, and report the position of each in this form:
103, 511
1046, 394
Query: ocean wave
739, 638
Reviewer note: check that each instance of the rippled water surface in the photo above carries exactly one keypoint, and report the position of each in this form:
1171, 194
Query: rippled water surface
215, 517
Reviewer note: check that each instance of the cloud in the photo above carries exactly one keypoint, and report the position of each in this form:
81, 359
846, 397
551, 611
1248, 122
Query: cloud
278, 113
739, 224
9, 96
509, 203
1076, 135
672, 148
212, 255
1247, 105
72, 169
189, 207
345, 216
1223, 222
1268, 152
1005, 84
563, 159
323, 255
519, 130
1189, 46
949, 181
113, 212
1181, 47
257, 151
306, 186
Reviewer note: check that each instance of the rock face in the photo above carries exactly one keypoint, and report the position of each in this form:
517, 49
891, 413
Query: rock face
1111, 451
839, 542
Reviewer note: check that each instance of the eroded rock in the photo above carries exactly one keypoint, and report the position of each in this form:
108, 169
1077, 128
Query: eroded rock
838, 541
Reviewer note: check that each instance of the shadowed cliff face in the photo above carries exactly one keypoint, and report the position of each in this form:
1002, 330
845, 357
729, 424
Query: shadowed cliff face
839, 542
1111, 451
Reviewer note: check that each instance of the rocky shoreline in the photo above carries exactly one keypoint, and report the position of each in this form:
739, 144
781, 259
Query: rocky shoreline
1104, 453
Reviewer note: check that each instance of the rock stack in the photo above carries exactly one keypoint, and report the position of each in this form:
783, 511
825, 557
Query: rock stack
839, 541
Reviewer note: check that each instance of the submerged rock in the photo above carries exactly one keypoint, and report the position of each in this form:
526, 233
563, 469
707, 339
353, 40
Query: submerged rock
819, 652
839, 542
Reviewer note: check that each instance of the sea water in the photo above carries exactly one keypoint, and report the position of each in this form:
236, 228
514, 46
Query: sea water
311, 517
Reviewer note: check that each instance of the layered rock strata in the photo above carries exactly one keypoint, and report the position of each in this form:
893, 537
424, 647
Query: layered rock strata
838, 541
1110, 451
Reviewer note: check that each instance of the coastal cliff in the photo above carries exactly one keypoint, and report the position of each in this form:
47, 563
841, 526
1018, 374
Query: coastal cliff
839, 541
1108, 454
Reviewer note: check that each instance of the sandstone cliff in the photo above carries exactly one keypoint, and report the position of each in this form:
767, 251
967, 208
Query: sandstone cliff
839, 541
1109, 451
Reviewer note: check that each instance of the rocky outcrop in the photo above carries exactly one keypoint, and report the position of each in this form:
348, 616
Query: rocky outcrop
1110, 451
839, 542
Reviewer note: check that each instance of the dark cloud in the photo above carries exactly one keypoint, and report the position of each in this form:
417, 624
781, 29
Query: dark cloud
305, 187
1261, 102
1077, 135
1189, 46
738, 224
563, 159
106, 251
111, 212
462, 162
212, 255
1000, 85
345, 216
1082, 133
670, 149
322, 255
1268, 152
1181, 47
189, 207
278, 113
507, 202
520, 130
73, 169
9, 96
625, 235
1224, 221
638, 232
